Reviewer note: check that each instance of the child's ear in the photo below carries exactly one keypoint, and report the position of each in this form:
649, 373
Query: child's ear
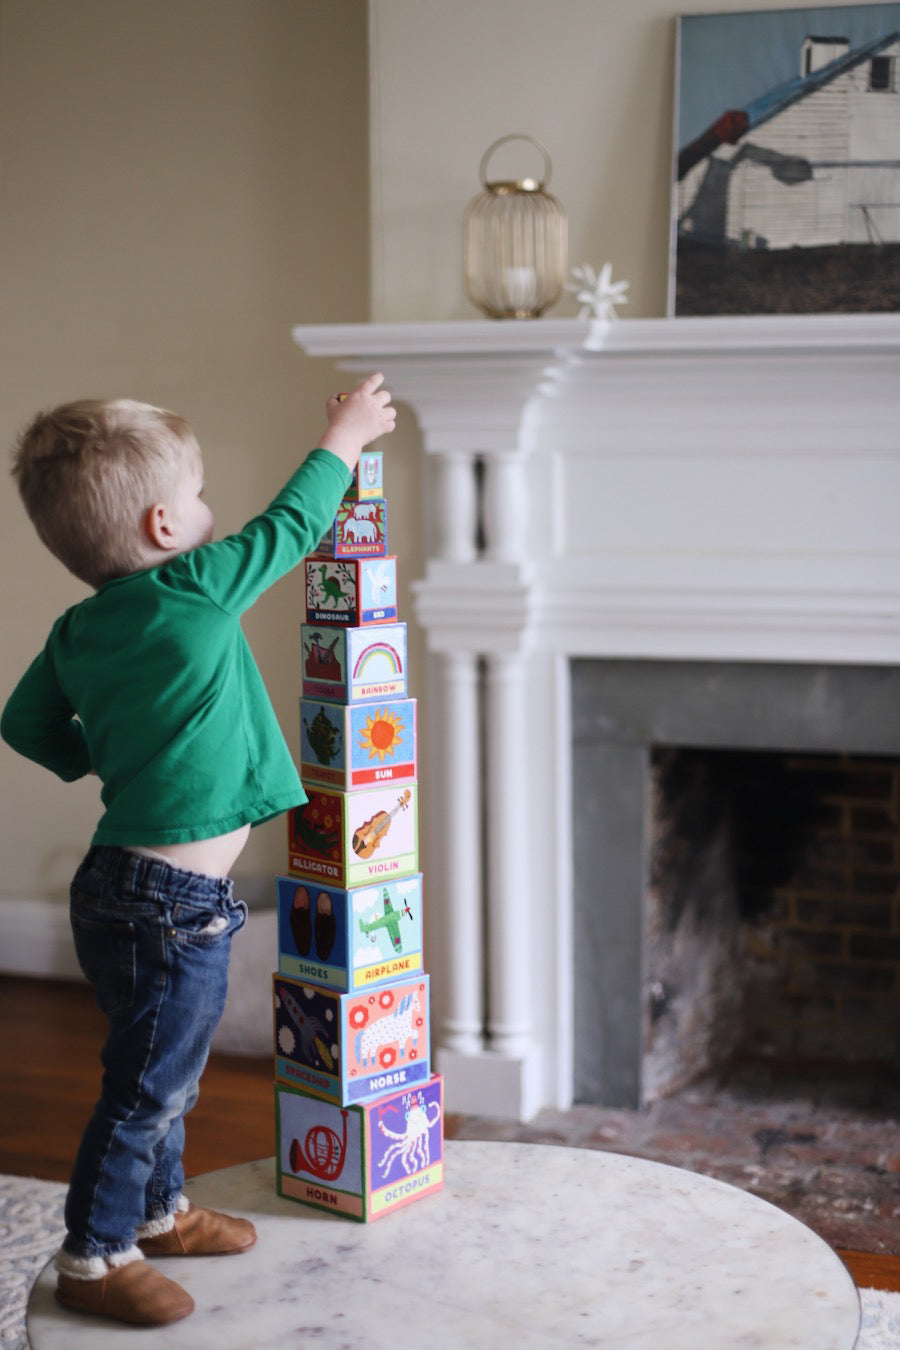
158, 527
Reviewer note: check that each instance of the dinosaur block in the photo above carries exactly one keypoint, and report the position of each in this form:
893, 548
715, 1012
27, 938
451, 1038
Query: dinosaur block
355, 745
360, 1161
353, 665
348, 1048
351, 592
359, 530
349, 940
368, 477
355, 838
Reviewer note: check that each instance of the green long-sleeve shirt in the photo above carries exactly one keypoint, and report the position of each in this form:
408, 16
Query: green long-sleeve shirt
150, 682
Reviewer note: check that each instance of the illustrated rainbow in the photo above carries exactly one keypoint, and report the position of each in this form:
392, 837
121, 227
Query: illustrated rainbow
373, 653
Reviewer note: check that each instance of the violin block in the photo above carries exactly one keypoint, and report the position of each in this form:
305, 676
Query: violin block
368, 477
360, 1161
355, 745
349, 940
355, 838
353, 665
347, 1048
351, 592
359, 530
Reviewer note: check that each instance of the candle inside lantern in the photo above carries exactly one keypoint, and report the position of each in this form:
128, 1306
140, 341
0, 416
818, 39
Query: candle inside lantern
520, 287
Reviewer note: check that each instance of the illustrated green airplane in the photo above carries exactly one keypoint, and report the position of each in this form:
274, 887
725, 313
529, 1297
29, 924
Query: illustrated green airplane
390, 920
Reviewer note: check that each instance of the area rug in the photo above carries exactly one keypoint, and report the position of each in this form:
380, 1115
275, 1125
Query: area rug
31, 1229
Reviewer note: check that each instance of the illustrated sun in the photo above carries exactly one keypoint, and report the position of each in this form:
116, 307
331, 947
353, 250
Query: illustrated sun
380, 733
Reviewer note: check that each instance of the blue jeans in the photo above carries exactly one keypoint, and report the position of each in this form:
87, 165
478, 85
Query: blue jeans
154, 942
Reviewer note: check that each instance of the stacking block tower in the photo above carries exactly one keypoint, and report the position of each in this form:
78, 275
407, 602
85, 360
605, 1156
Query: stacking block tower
359, 1114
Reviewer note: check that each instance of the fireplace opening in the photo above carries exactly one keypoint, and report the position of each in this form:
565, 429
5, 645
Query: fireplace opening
772, 911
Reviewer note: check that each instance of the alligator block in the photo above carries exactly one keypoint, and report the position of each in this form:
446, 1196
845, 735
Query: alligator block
355, 838
353, 665
349, 940
368, 477
359, 530
351, 592
360, 1161
348, 1048
356, 745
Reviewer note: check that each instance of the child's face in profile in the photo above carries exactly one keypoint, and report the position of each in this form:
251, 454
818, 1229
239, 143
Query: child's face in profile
191, 516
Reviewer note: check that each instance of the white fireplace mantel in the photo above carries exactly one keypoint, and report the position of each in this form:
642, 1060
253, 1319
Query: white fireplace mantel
675, 489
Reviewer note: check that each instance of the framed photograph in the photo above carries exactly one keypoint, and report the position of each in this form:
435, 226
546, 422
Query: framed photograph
786, 177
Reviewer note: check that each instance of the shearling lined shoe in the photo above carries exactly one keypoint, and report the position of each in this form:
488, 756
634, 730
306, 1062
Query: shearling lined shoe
200, 1232
135, 1293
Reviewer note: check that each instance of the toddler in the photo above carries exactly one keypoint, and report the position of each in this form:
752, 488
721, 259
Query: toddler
150, 684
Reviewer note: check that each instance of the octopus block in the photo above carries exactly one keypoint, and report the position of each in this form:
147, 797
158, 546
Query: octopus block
360, 1161
349, 940
355, 838
348, 1048
359, 530
368, 477
356, 745
351, 592
353, 665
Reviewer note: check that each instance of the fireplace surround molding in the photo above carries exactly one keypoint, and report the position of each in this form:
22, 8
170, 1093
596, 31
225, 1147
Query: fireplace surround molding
675, 490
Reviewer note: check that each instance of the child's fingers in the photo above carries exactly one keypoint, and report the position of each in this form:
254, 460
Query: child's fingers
371, 382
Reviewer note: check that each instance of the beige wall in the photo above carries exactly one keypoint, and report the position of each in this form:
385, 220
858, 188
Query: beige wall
181, 183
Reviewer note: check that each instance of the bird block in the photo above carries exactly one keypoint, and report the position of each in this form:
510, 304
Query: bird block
355, 745
348, 1048
355, 838
353, 665
368, 477
359, 530
360, 1161
351, 592
349, 940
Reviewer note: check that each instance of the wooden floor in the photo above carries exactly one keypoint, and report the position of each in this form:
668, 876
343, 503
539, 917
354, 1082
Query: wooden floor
50, 1036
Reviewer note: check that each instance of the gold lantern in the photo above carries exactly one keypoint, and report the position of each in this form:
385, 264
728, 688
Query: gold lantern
516, 243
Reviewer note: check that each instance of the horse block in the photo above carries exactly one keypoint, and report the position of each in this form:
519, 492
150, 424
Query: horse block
349, 940
351, 592
360, 1161
355, 838
359, 530
355, 745
348, 1048
353, 665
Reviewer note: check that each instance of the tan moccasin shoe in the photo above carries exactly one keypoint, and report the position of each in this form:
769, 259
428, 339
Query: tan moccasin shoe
135, 1293
201, 1232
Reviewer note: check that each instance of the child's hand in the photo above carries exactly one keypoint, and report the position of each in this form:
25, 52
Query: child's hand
357, 419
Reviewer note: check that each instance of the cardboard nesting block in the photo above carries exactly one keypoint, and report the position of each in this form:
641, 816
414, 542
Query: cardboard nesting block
368, 477
351, 592
349, 940
359, 530
360, 1161
355, 838
348, 1048
355, 745
353, 665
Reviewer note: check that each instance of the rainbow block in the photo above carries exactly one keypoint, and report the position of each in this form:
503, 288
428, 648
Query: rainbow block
368, 477
348, 1048
360, 1161
355, 838
353, 665
351, 592
349, 940
356, 745
359, 530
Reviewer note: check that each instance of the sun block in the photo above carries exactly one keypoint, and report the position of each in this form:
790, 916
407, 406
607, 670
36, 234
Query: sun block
359, 530
351, 592
355, 838
360, 1161
348, 746
350, 1048
349, 940
353, 665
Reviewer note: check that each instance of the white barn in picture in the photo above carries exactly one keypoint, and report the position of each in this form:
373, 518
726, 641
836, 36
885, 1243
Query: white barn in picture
813, 162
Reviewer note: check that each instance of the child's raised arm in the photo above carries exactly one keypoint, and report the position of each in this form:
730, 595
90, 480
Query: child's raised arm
358, 418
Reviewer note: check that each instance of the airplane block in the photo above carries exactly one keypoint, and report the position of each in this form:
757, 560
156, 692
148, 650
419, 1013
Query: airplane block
348, 940
355, 838
351, 592
348, 1048
348, 746
360, 1161
359, 530
368, 477
353, 665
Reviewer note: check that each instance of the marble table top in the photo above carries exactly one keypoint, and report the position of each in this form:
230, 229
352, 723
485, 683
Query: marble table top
528, 1244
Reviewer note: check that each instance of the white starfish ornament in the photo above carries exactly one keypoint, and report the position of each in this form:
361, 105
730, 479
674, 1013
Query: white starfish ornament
597, 295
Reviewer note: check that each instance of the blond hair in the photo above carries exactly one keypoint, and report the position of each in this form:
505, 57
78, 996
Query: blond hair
87, 473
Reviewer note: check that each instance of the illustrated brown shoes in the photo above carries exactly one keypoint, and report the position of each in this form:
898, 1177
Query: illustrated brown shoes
135, 1293
201, 1232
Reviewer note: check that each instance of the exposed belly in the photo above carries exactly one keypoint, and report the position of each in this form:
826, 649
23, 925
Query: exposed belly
211, 857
